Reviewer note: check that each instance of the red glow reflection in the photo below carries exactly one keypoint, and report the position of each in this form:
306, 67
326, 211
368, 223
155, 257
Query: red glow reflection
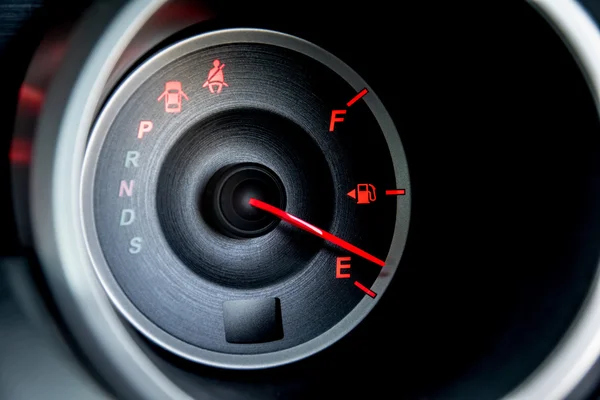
31, 98
20, 152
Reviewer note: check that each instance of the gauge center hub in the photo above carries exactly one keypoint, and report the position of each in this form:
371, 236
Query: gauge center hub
227, 199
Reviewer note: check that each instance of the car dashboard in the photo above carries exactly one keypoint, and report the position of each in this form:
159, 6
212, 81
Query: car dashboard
264, 200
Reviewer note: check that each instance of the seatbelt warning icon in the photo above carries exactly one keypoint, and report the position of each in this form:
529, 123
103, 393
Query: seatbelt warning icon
216, 79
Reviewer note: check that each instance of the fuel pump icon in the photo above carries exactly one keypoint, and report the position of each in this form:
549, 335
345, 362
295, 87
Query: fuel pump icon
365, 193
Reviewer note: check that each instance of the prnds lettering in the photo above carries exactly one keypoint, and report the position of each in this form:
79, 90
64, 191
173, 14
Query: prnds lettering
135, 245
126, 188
127, 217
131, 160
145, 127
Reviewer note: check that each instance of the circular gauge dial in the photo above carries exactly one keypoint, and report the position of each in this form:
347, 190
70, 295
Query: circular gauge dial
246, 198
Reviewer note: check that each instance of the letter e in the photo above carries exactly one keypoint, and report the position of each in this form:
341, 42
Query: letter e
342, 263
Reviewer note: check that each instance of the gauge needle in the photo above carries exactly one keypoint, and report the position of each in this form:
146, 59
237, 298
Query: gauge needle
297, 222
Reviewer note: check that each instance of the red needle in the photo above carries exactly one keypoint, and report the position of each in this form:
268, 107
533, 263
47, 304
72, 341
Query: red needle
297, 222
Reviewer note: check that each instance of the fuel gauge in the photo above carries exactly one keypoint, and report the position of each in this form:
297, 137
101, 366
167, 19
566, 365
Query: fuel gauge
246, 198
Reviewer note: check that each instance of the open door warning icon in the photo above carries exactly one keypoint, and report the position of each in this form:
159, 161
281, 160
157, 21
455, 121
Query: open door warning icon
173, 97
